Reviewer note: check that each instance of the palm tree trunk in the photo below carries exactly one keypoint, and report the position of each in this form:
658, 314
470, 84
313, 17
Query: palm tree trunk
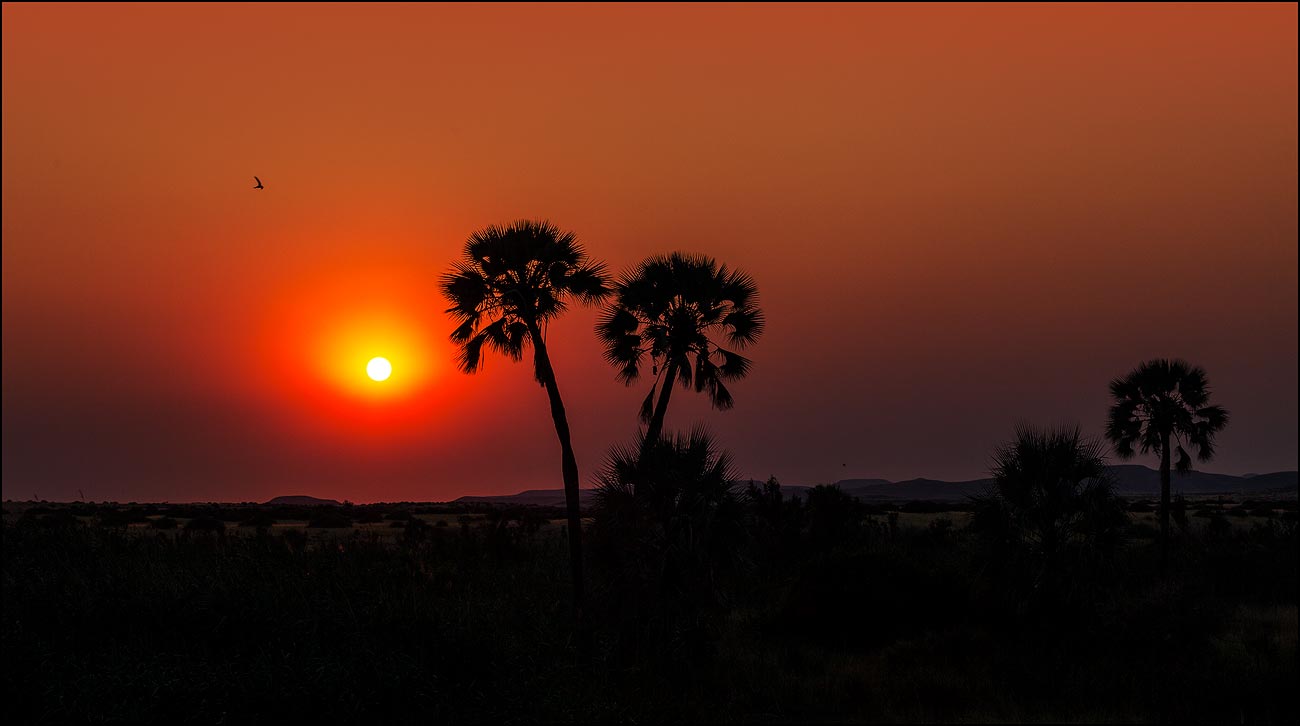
1164, 504
661, 407
569, 467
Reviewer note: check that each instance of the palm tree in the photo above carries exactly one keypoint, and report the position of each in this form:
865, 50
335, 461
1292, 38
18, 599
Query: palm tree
1050, 509
667, 530
1163, 406
512, 281
674, 310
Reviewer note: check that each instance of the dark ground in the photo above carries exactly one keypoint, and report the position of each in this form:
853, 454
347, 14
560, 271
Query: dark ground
108, 619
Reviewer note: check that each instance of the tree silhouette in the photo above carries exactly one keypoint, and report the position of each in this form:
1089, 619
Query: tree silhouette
667, 528
1162, 406
511, 282
1050, 509
674, 310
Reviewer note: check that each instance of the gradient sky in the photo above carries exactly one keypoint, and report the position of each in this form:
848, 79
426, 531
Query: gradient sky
958, 217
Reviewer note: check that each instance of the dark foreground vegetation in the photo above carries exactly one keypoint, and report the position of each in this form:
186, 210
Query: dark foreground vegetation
708, 604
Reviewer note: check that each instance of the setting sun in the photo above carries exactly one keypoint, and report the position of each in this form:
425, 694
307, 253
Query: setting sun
379, 369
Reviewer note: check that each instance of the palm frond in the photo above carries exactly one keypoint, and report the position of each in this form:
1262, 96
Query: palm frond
1162, 399
522, 274
675, 303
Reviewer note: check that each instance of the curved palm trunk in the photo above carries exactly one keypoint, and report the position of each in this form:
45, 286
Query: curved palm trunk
1164, 503
569, 467
656, 426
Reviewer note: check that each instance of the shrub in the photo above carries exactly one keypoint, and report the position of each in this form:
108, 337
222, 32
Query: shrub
294, 539
1218, 527
666, 531
417, 530
163, 523
834, 517
205, 524
1051, 515
259, 519
120, 518
1142, 530
54, 520
329, 519
940, 528
776, 522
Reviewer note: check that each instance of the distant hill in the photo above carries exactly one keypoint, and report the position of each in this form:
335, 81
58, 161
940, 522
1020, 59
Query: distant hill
300, 500
1274, 481
1137, 480
1133, 480
916, 489
534, 497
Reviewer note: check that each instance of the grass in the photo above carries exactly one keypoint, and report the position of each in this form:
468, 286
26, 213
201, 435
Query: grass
470, 623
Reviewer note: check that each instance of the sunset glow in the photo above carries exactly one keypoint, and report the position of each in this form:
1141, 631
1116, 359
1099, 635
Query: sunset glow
348, 349
952, 216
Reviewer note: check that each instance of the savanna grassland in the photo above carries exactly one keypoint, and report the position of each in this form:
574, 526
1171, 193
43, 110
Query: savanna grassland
784, 610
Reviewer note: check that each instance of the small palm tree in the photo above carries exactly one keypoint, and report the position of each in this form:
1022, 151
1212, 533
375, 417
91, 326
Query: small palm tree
1163, 406
1050, 509
512, 281
667, 530
674, 311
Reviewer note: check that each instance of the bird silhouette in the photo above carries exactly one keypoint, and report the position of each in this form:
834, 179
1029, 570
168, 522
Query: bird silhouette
259, 183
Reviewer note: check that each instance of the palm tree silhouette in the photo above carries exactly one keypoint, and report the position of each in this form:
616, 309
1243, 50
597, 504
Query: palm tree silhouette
1050, 509
667, 524
511, 282
673, 309
1162, 406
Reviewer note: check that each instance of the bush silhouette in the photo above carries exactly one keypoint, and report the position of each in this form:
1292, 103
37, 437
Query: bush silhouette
329, 519
834, 517
205, 524
667, 531
259, 519
1051, 514
122, 518
51, 520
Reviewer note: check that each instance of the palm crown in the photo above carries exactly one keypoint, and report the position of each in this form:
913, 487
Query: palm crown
673, 311
1164, 401
512, 281
1050, 485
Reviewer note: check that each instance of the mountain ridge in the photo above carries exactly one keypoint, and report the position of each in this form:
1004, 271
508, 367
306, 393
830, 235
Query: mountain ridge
1132, 480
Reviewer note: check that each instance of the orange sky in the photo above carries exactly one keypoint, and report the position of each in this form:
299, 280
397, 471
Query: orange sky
958, 217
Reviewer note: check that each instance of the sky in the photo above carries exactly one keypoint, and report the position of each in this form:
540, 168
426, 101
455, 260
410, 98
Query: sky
958, 217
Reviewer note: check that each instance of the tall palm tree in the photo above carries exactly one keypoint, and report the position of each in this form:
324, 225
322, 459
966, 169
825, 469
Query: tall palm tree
1163, 406
675, 311
511, 282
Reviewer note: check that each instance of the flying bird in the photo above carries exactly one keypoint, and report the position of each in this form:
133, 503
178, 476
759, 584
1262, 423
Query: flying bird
259, 183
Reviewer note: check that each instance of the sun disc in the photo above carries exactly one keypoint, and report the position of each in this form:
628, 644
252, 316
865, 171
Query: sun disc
379, 369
